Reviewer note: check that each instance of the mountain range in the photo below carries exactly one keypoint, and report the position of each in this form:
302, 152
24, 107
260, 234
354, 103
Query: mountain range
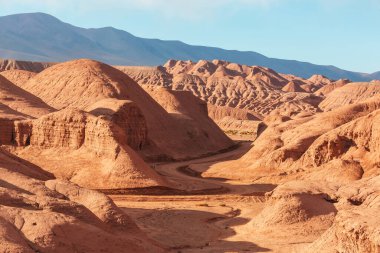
42, 37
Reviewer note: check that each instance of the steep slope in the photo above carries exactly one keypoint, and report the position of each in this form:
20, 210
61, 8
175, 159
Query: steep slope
312, 84
319, 80
220, 83
323, 91
219, 112
18, 100
190, 114
81, 83
293, 87
41, 37
350, 94
40, 214
17, 77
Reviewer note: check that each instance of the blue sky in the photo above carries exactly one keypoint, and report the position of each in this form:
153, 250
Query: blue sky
344, 33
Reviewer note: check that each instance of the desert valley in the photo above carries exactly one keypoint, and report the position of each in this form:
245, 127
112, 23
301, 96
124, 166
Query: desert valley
207, 156
150, 126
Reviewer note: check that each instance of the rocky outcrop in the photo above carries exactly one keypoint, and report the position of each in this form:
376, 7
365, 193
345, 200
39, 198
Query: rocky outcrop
126, 118
330, 216
6, 130
357, 140
356, 226
93, 147
58, 216
82, 83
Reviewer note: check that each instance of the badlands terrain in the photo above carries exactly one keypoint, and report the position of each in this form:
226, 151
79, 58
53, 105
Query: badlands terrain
207, 156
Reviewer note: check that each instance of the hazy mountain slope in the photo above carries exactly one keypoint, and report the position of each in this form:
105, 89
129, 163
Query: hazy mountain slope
41, 37
8, 64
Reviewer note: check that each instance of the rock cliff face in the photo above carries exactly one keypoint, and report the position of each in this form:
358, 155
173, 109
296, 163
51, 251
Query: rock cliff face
6, 130
127, 120
95, 147
82, 83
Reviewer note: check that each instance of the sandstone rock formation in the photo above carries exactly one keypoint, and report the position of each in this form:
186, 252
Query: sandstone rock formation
56, 216
312, 84
255, 89
99, 144
81, 83
93, 147
190, 114
356, 226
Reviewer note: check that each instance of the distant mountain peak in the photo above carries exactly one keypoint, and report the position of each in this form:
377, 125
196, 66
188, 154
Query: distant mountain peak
42, 37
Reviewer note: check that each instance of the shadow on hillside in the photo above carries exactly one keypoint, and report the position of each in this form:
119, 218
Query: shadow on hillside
17, 164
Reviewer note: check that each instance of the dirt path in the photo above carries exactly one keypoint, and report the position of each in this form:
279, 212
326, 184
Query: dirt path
203, 222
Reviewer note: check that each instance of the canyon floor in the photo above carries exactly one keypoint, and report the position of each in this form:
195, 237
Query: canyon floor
210, 215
